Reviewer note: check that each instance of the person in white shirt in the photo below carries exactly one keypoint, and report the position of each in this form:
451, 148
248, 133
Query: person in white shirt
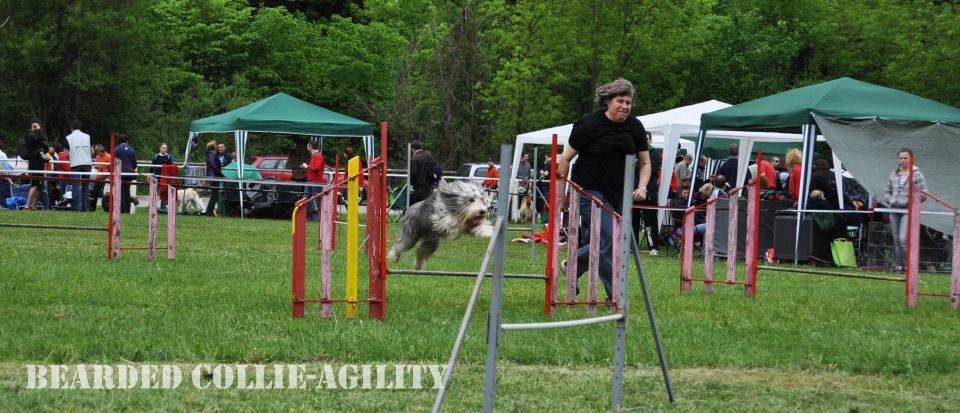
80, 161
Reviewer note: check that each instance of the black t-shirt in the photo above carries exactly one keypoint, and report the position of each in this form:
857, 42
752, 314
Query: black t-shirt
603, 144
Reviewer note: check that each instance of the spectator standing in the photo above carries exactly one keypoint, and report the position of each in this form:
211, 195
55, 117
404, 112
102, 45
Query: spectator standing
730, 166
897, 195
492, 175
128, 168
647, 215
80, 161
682, 170
214, 170
163, 157
700, 175
225, 158
349, 154
795, 166
299, 155
603, 139
315, 175
63, 165
51, 194
543, 185
36, 143
783, 176
767, 175
828, 225
524, 173
421, 180
222, 155
492, 181
104, 163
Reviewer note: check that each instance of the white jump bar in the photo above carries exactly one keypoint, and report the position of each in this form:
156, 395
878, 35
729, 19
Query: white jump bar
562, 324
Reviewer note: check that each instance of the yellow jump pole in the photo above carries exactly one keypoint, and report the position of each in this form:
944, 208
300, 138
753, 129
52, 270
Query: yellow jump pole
353, 218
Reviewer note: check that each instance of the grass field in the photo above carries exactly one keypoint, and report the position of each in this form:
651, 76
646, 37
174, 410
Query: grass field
807, 343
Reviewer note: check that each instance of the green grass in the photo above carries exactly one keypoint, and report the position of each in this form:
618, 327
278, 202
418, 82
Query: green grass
806, 343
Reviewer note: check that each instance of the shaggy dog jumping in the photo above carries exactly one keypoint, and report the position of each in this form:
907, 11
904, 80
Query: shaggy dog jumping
453, 209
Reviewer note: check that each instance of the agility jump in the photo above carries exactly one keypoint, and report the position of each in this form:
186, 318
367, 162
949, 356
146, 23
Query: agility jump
495, 325
911, 279
114, 222
378, 256
686, 256
376, 230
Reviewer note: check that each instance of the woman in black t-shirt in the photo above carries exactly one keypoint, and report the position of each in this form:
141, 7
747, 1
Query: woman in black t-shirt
36, 141
603, 139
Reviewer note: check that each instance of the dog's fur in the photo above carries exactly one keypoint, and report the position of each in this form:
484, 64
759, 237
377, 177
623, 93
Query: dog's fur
453, 209
526, 208
189, 201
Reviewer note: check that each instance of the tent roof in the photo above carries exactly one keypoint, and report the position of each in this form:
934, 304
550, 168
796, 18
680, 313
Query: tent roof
687, 118
843, 97
282, 113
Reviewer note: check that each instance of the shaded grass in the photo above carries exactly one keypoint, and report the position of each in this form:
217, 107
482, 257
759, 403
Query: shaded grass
226, 299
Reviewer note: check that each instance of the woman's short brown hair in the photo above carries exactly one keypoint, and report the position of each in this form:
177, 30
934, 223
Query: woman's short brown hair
211, 145
619, 87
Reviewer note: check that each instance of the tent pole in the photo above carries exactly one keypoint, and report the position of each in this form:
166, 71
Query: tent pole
696, 162
409, 180
744, 149
190, 138
514, 179
809, 138
670, 151
240, 141
838, 176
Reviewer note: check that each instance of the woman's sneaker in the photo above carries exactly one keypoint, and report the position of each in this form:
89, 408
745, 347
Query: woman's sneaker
654, 252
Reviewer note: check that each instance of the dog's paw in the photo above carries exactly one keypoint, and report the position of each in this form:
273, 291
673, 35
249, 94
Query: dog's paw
392, 256
483, 231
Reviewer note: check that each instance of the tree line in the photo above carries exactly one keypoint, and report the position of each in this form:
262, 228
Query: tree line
462, 76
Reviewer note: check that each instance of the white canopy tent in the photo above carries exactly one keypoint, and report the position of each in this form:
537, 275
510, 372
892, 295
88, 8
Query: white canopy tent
668, 128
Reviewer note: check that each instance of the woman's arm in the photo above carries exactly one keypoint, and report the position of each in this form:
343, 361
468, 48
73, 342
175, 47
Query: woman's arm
640, 193
888, 192
921, 182
563, 166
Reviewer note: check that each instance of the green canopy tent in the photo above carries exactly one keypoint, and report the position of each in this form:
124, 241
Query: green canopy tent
865, 125
280, 114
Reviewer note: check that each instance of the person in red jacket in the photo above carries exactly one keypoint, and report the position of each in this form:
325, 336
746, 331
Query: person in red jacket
794, 160
315, 175
493, 176
766, 171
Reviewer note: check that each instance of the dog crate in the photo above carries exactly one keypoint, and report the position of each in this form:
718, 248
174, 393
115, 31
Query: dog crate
936, 249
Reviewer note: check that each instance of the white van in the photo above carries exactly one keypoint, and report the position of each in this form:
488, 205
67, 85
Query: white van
476, 171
